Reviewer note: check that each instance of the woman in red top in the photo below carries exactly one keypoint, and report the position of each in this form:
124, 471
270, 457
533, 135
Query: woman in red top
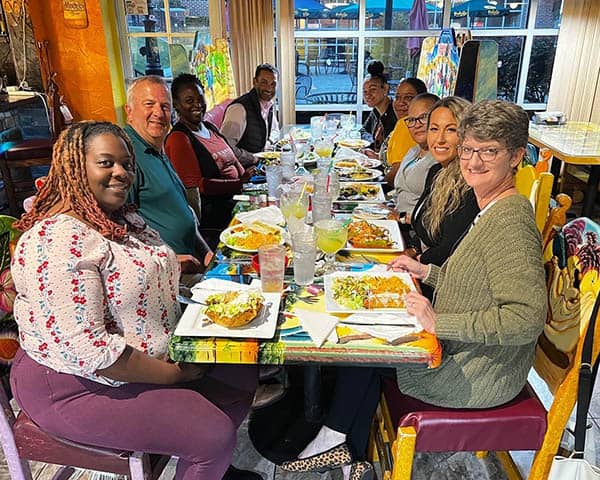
201, 156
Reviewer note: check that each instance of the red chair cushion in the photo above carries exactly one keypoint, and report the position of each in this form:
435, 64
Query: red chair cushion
35, 444
517, 425
27, 149
216, 114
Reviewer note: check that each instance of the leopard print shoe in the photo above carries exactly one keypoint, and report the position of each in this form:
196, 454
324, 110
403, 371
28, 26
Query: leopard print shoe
362, 471
321, 462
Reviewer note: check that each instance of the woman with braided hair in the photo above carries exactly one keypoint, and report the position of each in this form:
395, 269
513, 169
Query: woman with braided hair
96, 307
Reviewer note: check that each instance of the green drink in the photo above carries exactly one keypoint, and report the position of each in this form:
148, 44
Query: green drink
331, 238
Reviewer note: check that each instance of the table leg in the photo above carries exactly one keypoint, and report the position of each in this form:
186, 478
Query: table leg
312, 393
556, 170
591, 190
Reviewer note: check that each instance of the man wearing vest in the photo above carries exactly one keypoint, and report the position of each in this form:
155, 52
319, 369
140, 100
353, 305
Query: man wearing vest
250, 122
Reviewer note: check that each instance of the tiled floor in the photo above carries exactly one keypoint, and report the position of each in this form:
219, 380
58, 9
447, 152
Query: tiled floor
438, 466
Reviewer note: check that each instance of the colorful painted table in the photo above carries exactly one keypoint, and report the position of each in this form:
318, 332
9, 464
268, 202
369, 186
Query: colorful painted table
575, 143
291, 343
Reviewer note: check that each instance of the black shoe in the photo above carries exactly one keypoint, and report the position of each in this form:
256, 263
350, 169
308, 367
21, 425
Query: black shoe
267, 394
233, 473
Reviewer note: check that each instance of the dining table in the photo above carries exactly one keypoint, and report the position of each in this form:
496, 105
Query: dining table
573, 143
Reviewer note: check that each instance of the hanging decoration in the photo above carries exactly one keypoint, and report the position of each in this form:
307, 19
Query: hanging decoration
75, 13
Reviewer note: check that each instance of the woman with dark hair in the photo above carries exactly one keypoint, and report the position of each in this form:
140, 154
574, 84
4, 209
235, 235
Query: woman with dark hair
448, 205
96, 309
382, 119
399, 142
201, 156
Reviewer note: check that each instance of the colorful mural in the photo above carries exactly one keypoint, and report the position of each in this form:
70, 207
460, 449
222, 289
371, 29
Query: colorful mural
212, 65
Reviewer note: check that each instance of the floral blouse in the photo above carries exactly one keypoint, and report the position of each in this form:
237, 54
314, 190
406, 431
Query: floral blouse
81, 298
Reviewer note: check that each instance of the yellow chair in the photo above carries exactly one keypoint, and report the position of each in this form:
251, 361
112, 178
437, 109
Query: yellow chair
537, 187
572, 290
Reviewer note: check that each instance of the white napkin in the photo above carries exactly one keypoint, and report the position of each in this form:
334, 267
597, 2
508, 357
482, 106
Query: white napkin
320, 326
388, 333
271, 215
395, 318
345, 152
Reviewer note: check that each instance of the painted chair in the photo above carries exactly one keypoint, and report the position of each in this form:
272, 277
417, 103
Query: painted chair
537, 187
22, 440
404, 425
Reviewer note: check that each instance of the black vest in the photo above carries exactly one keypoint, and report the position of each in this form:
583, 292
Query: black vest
256, 134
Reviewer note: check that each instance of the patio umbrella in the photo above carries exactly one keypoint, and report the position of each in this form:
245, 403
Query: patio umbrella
417, 20
309, 9
374, 8
478, 8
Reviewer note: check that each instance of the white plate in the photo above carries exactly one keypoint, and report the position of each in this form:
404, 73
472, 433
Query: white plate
378, 198
354, 143
370, 174
193, 324
224, 237
370, 212
402, 318
332, 306
395, 235
371, 163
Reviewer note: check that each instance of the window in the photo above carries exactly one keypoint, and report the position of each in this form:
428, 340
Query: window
336, 40
156, 39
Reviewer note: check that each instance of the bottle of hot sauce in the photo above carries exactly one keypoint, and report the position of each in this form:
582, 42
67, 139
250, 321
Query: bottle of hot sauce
75, 13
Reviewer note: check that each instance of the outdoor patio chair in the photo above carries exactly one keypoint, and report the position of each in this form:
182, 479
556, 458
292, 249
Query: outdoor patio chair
303, 85
331, 97
405, 425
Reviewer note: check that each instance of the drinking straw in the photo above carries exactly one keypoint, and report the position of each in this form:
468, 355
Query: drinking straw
293, 142
301, 193
329, 175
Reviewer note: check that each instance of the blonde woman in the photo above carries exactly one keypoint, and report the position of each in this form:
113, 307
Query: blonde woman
447, 206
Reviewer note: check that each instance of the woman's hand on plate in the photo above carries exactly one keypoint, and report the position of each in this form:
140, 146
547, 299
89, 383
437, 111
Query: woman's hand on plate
421, 308
370, 153
404, 263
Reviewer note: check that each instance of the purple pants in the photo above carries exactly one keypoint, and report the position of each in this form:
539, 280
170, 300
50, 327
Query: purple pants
196, 422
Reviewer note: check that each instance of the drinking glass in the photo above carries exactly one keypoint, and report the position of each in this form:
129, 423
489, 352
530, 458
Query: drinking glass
288, 165
331, 238
294, 206
305, 253
272, 267
274, 174
316, 127
321, 206
324, 148
347, 122
330, 127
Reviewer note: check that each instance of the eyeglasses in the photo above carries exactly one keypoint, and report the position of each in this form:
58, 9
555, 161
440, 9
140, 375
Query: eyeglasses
412, 121
487, 154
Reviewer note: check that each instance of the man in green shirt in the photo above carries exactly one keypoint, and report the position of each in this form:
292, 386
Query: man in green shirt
157, 190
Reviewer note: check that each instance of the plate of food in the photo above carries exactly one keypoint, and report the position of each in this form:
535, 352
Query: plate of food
346, 164
370, 212
370, 163
374, 236
361, 192
231, 310
354, 143
309, 158
371, 291
268, 155
358, 174
247, 237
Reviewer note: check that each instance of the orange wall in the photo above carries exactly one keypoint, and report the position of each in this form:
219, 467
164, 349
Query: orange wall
79, 56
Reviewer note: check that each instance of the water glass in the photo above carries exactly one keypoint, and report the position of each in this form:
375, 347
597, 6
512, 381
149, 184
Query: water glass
272, 267
330, 127
288, 165
316, 127
321, 206
324, 148
305, 256
347, 122
274, 174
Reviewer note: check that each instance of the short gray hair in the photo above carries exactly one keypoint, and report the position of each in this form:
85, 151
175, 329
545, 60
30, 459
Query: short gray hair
155, 79
497, 120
